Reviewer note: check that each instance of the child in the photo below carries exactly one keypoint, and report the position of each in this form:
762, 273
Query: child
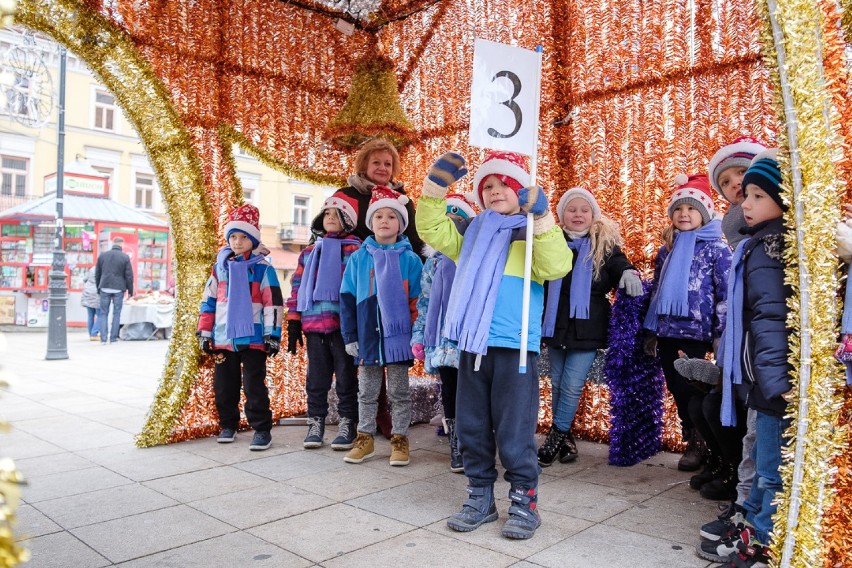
378, 300
577, 312
727, 168
687, 311
314, 307
438, 353
754, 356
499, 402
240, 323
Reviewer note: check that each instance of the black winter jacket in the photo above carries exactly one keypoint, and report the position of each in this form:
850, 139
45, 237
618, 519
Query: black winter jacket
766, 371
113, 270
592, 333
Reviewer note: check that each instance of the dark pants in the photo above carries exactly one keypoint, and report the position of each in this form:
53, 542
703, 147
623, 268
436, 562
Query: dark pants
326, 357
117, 300
499, 414
723, 441
677, 384
449, 384
227, 377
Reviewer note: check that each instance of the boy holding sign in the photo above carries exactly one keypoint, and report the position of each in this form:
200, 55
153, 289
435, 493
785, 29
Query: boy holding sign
500, 402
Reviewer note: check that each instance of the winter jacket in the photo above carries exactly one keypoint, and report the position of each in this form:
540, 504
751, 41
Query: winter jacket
551, 259
766, 370
324, 316
90, 297
362, 189
266, 301
708, 288
446, 353
113, 271
360, 318
588, 334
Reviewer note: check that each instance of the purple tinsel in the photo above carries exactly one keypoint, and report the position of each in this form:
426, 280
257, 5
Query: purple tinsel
636, 385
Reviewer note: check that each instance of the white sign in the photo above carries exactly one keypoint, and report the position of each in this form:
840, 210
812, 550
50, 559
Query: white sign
503, 97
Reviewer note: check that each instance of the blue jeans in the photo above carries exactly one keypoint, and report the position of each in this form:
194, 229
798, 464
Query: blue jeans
568, 370
93, 315
117, 300
767, 479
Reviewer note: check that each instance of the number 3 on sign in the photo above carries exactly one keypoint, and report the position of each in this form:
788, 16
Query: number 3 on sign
503, 97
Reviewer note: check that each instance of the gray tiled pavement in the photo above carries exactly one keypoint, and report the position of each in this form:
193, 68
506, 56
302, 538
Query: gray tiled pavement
95, 500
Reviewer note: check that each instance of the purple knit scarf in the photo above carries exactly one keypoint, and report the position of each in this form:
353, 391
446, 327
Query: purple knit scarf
323, 273
480, 268
439, 298
581, 287
394, 312
240, 313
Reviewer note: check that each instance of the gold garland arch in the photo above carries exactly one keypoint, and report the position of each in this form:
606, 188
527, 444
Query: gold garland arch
194, 78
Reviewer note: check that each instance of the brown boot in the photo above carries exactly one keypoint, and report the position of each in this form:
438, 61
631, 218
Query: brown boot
693, 457
399, 450
362, 449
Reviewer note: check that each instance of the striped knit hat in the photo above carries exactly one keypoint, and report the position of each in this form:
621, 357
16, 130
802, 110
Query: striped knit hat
765, 174
738, 153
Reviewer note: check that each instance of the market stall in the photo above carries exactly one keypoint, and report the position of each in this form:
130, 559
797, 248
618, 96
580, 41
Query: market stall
92, 220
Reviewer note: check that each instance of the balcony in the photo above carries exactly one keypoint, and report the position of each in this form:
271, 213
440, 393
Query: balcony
292, 234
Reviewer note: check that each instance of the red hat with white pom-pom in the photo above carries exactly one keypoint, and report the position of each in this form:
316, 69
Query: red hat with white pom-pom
511, 168
693, 190
385, 197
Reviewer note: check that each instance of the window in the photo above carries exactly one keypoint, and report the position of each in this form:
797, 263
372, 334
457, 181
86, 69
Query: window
14, 172
300, 210
144, 185
104, 110
248, 194
107, 173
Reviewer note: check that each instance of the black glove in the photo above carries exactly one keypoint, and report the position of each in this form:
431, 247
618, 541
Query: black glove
294, 335
206, 345
272, 344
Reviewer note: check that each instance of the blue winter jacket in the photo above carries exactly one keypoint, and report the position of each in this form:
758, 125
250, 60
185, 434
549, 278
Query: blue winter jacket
766, 369
708, 289
360, 318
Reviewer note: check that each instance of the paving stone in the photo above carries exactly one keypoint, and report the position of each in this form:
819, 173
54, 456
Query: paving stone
422, 548
350, 482
68, 483
338, 529
234, 549
587, 500
135, 536
20, 445
601, 546
153, 467
675, 518
56, 463
655, 475
99, 506
30, 523
294, 464
424, 503
261, 505
62, 550
73, 433
197, 485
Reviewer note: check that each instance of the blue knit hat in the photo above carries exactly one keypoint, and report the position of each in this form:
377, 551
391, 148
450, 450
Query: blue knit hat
765, 174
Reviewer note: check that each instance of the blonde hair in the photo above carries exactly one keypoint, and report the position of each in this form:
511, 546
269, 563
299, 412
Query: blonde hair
604, 236
362, 159
668, 236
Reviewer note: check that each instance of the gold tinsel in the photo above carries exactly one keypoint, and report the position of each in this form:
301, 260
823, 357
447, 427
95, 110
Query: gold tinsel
797, 50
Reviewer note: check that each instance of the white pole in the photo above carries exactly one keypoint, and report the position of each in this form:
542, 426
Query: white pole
525, 309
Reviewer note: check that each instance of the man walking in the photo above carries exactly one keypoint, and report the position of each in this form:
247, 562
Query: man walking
114, 277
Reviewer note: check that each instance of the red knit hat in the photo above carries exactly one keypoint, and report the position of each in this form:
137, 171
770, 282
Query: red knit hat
245, 219
385, 197
347, 206
509, 167
693, 190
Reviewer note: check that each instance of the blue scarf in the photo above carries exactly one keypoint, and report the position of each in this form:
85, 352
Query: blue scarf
394, 313
240, 314
439, 298
672, 295
581, 287
480, 268
731, 345
323, 273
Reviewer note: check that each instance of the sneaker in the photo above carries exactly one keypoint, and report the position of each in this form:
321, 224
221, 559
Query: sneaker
754, 555
549, 451
94, 338
316, 431
568, 453
362, 449
226, 436
345, 435
732, 517
523, 516
399, 450
477, 509
723, 550
261, 441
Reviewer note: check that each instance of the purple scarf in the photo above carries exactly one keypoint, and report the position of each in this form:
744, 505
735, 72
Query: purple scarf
394, 312
731, 345
672, 294
581, 287
240, 313
439, 298
484, 252
323, 273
